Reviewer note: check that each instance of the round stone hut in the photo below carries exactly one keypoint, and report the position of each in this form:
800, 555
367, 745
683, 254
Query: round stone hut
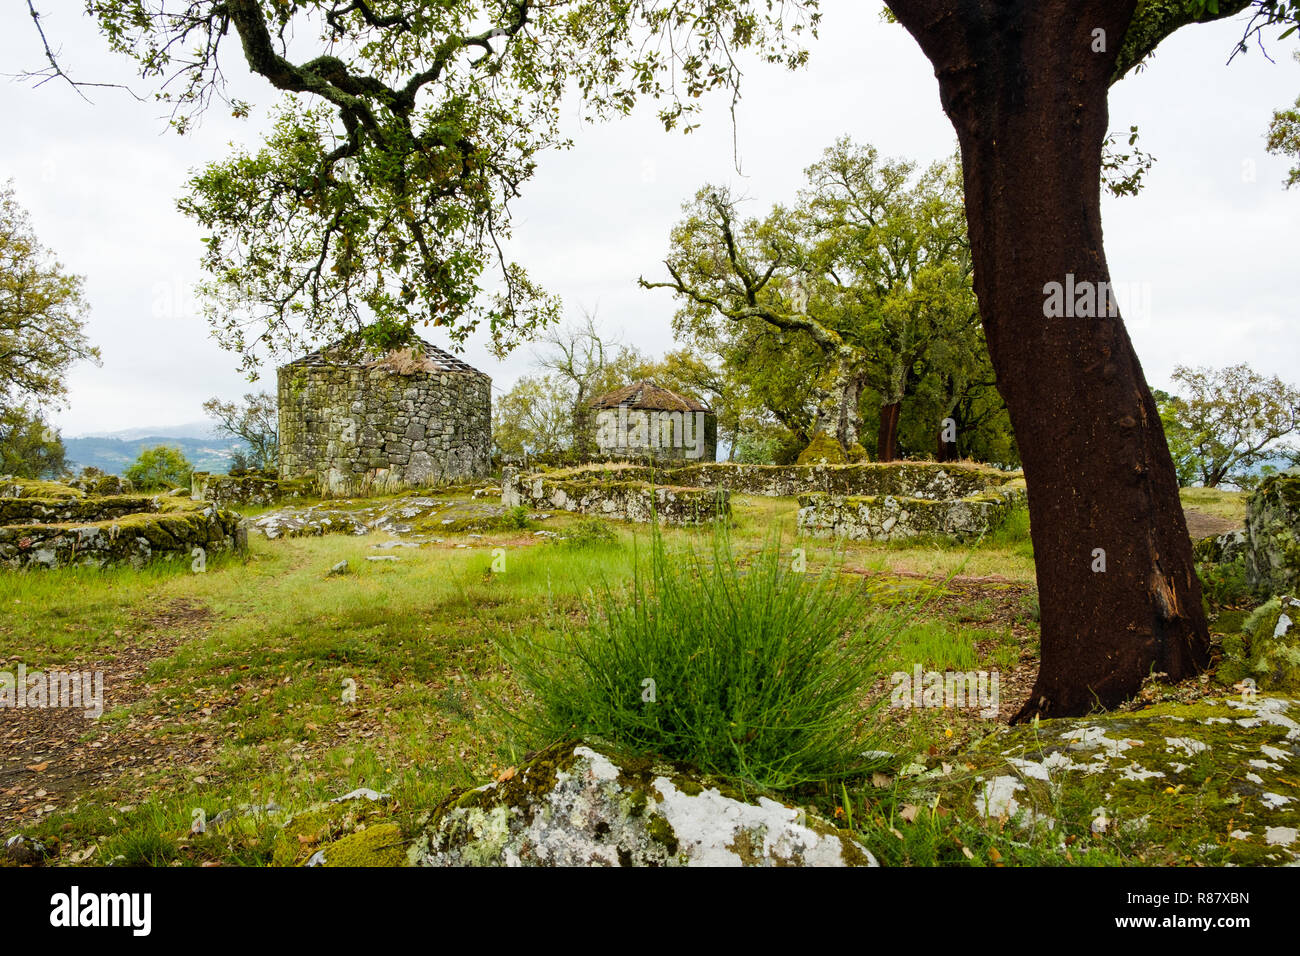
645, 420
361, 422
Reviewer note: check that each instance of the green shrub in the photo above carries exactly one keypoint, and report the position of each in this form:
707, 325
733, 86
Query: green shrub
158, 468
517, 519
588, 531
755, 673
1224, 585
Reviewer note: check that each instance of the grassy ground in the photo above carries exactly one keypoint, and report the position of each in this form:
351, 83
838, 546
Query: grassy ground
234, 688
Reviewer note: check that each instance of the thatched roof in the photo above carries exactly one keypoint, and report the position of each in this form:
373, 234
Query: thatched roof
650, 397
416, 356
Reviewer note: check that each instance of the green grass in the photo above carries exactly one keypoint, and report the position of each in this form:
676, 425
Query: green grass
248, 685
753, 672
1216, 501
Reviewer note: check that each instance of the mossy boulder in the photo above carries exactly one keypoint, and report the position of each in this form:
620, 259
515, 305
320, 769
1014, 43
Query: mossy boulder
1267, 651
11, 487
856, 453
823, 449
573, 805
1214, 780
380, 845
1273, 529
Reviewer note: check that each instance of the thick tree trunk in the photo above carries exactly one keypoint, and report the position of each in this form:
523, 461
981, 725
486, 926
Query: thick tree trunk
1027, 93
887, 434
945, 450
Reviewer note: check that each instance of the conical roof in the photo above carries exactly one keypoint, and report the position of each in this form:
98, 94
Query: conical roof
650, 397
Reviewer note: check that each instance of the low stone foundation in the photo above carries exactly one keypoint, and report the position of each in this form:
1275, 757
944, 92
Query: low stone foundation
887, 518
907, 479
626, 500
57, 529
247, 490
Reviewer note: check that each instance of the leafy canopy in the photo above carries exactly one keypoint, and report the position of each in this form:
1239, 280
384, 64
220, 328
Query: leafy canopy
403, 133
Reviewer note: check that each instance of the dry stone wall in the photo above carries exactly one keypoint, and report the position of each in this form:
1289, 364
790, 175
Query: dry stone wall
371, 430
49, 524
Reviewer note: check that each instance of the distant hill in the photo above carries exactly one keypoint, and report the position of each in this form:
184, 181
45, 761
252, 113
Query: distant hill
114, 455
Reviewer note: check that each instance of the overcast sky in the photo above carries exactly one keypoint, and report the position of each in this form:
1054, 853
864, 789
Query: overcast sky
1211, 246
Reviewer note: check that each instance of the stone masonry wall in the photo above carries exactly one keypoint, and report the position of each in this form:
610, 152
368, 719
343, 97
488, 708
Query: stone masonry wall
374, 430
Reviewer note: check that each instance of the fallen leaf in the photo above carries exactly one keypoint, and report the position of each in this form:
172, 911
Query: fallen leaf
39, 767
967, 853
909, 812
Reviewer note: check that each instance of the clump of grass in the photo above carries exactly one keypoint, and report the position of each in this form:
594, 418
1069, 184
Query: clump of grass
757, 673
518, 518
587, 532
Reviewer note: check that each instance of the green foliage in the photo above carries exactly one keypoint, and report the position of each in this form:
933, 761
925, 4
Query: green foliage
1227, 421
159, 467
256, 421
1284, 137
29, 447
858, 295
754, 672
1224, 585
42, 313
518, 518
401, 136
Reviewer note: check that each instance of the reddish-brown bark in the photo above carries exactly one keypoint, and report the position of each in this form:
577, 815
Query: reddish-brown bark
1027, 94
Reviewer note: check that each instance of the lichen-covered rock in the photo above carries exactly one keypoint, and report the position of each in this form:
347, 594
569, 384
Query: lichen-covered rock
1222, 548
11, 487
247, 490
379, 845
902, 479
1273, 529
100, 532
1267, 651
102, 485
414, 516
575, 806
888, 518
1217, 777
626, 500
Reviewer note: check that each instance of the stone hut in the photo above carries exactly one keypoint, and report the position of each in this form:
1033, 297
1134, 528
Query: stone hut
376, 422
645, 420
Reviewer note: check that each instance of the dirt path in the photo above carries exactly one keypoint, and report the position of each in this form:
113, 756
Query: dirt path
1202, 524
48, 757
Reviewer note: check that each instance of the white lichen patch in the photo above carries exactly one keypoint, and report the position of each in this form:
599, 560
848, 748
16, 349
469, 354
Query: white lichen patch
582, 808
1135, 771
1281, 836
998, 798
1274, 801
1188, 745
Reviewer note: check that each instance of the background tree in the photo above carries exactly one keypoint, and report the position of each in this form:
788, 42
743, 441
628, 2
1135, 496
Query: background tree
534, 418
1284, 137
255, 421
1227, 421
401, 136
42, 313
866, 274
159, 467
1026, 88
29, 447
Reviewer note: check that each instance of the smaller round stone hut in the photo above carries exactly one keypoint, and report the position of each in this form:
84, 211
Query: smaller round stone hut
363, 422
645, 420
